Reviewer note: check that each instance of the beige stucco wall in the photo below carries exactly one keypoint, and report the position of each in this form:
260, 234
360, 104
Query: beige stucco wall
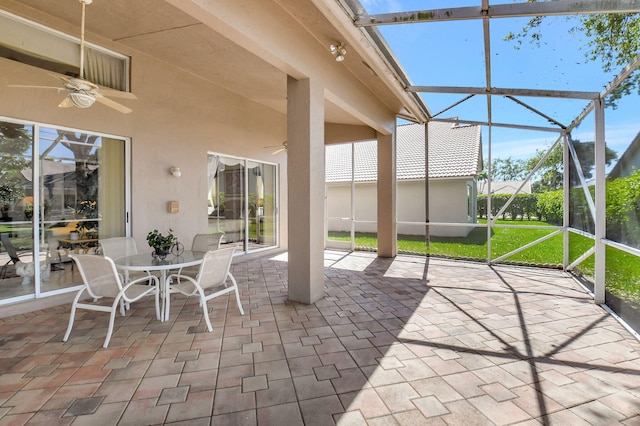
448, 203
176, 120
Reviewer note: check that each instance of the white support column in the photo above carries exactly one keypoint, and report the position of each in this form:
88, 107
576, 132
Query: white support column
601, 204
305, 179
387, 226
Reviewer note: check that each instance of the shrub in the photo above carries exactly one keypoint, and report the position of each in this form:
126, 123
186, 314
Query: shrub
524, 205
551, 206
623, 209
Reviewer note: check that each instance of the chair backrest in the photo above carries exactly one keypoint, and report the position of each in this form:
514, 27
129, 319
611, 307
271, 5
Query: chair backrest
118, 247
215, 267
99, 275
206, 242
11, 250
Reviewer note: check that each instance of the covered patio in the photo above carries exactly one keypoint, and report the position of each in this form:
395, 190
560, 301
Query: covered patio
410, 340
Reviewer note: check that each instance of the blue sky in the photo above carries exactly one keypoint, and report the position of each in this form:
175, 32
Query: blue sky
452, 54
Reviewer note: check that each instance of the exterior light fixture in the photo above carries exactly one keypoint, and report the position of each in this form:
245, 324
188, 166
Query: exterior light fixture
176, 172
338, 50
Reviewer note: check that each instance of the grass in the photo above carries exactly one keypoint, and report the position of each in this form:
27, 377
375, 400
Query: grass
474, 246
622, 269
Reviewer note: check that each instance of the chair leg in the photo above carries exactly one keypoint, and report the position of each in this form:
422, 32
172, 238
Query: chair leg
235, 286
72, 316
158, 303
112, 319
70, 326
205, 310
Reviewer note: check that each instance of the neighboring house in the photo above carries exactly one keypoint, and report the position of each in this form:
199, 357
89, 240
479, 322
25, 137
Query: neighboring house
455, 159
628, 161
505, 187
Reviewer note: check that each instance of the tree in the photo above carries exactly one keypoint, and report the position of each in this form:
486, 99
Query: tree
549, 175
612, 38
586, 155
508, 169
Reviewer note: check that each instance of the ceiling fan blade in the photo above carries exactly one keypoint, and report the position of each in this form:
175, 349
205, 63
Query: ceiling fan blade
113, 104
278, 151
66, 103
28, 86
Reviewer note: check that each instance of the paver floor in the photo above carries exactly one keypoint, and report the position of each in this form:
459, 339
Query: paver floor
407, 341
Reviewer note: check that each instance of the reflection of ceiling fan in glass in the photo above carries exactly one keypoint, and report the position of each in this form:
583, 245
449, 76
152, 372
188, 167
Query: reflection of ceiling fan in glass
281, 148
83, 93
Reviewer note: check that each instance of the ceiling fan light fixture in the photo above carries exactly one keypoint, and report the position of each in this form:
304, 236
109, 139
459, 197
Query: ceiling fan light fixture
81, 100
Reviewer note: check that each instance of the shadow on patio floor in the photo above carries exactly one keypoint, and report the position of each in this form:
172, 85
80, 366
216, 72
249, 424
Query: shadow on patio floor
409, 340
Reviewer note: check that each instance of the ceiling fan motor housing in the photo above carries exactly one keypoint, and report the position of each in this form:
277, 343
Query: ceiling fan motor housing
81, 100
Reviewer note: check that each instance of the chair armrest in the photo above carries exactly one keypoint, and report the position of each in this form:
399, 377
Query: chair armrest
180, 277
142, 279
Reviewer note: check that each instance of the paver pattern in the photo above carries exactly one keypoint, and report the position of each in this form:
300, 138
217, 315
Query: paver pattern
406, 341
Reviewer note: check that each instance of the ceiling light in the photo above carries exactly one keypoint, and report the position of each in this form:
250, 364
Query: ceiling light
81, 100
338, 50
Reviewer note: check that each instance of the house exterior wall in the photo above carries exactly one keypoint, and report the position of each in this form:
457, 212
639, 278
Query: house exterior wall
180, 115
339, 206
448, 204
174, 123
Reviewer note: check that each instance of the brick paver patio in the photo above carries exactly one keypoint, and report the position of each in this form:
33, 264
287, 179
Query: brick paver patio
407, 341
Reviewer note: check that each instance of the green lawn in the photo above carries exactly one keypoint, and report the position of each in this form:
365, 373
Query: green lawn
474, 246
623, 270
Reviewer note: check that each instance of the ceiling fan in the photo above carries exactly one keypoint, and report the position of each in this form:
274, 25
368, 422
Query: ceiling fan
83, 93
281, 148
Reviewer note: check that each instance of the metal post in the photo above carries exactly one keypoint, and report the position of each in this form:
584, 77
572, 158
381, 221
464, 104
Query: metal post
427, 236
566, 186
489, 219
601, 204
353, 196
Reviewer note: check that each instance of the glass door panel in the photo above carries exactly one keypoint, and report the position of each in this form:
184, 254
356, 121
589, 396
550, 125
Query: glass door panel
227, 201
242, 202
261, 180
69, 195
17, 273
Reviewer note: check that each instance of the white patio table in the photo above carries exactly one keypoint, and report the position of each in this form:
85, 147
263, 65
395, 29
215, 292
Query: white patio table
145, 262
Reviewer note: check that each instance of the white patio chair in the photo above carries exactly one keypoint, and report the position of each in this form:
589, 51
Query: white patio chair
202, 242
213, 274
207, 242
102, 282
119, 247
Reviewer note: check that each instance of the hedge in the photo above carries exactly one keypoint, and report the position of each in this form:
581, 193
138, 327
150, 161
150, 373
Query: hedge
623, 208
523, 206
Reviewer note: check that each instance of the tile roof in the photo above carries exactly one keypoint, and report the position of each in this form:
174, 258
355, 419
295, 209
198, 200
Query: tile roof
454, 151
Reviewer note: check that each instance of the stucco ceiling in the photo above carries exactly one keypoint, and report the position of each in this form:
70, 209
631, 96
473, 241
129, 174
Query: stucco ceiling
163, 31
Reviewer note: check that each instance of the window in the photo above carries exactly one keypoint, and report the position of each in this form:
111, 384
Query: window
36, 45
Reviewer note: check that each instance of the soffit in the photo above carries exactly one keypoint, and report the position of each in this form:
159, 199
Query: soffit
164, 32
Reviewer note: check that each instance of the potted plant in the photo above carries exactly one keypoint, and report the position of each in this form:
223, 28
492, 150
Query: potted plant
161, 244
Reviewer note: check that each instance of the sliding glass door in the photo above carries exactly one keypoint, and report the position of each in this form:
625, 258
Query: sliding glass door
58, 201
242, 202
